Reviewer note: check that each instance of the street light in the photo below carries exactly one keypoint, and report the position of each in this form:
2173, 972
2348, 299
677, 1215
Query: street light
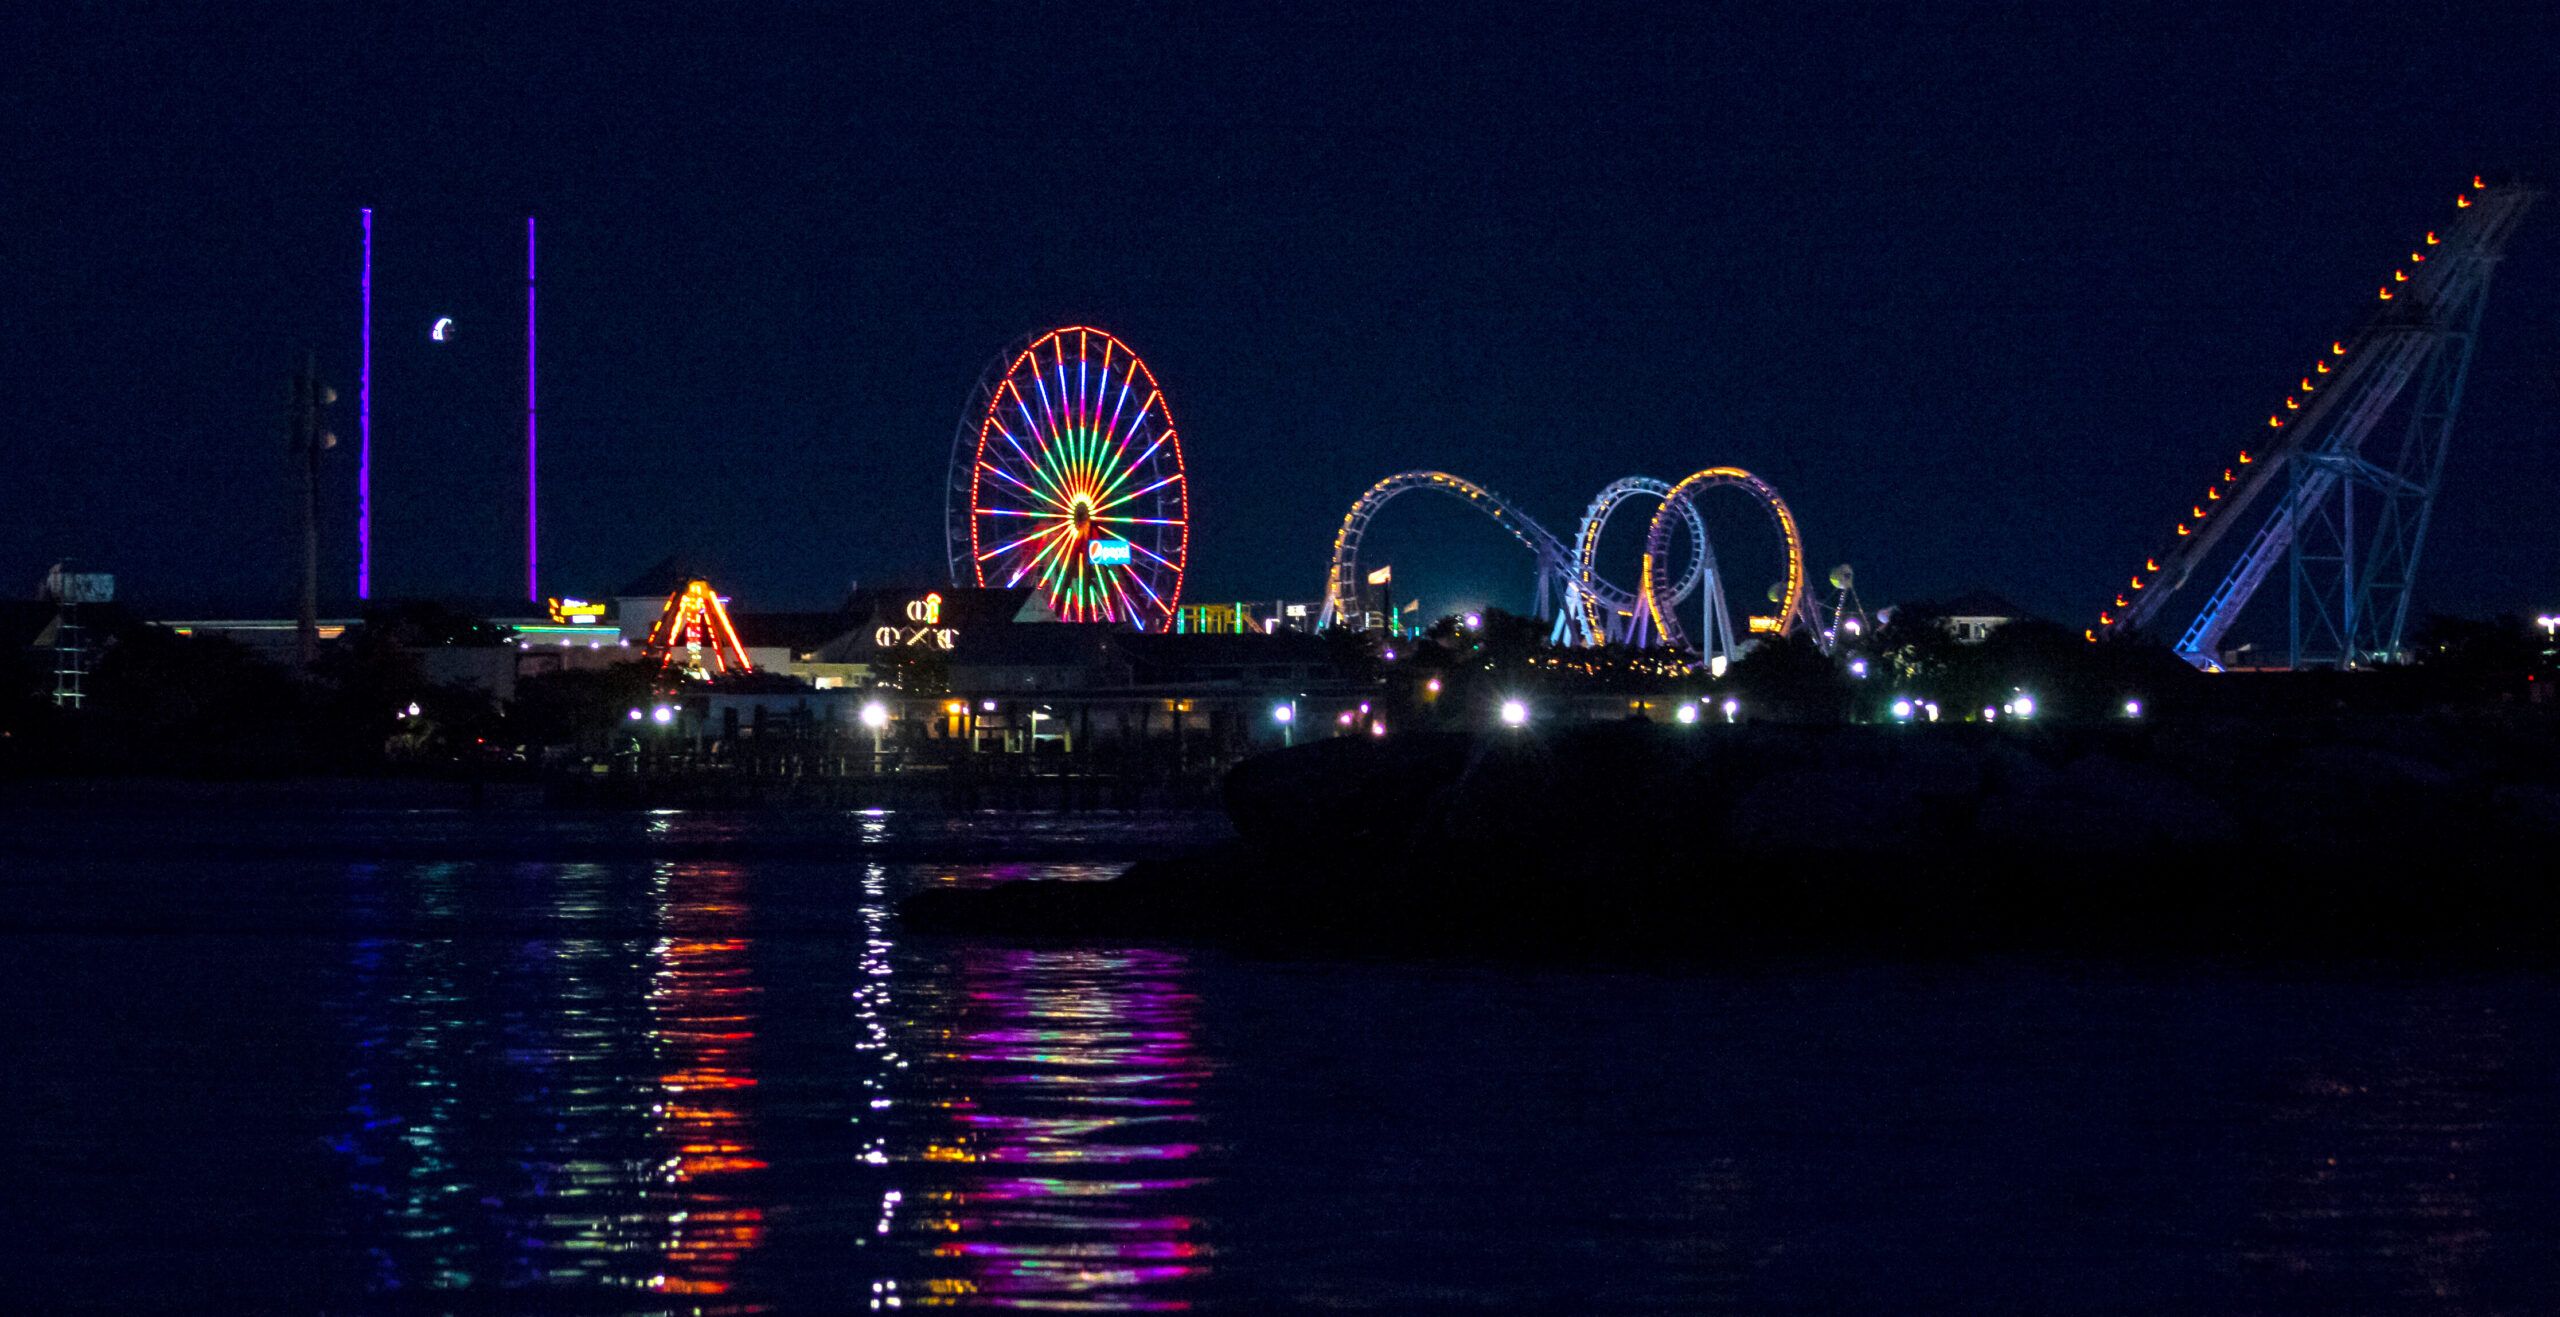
1514, 713
1731, 708
1688, 713
662, 715
1287, 716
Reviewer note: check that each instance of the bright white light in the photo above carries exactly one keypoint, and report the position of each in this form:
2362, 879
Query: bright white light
1345, 719
1857, 667
1933, 713
1902, 708
1731, 707
1514, 713
2133, 708
1283, 713
1688, 713
2024, 706
635, 715
875, 716
1377, 729
989, 706
662, 714
1474, 620
1432, 685
413, 708
1989, 714
1717, 665
1850, 626
1391, 656
443, 331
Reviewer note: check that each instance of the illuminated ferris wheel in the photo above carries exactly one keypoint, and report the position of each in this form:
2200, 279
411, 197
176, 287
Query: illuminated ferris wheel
1066, 475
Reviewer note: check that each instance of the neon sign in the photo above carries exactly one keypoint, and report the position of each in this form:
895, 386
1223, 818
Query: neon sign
1106, 553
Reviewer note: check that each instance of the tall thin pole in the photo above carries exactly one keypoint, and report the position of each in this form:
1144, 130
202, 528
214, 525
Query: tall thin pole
532, 490
364, 429
307, 443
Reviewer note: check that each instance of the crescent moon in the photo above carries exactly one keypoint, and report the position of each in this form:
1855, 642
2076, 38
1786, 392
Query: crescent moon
443, 329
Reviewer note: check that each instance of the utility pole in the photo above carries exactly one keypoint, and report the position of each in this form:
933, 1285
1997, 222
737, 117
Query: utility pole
308, 438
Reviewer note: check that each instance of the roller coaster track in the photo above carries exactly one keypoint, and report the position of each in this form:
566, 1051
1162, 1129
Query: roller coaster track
1591, 610
2349, 591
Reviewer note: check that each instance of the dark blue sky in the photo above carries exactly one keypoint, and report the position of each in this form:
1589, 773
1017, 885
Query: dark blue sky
1987, 291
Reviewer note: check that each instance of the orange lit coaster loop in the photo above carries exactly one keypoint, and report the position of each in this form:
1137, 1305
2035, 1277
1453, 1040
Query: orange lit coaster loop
1608, 611
1657, 546
1070, 471
1343, 581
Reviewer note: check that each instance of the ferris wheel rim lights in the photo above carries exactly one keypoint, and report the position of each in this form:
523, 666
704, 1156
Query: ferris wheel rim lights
1047, 495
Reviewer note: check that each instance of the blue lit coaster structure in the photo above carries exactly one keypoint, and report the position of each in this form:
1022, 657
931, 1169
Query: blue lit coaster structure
2348, 503
1585, 607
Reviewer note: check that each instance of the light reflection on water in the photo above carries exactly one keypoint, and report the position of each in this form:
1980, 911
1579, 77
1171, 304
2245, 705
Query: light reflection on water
684, 1084
553, 1082
1064, 1114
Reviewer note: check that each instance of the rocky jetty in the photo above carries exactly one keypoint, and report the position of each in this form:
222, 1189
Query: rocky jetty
1642, 840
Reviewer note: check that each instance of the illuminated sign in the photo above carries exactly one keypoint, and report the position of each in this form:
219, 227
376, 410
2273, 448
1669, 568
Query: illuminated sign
1763, 625
922, 637
578, 611
927, 610
1105, 553
1382, 576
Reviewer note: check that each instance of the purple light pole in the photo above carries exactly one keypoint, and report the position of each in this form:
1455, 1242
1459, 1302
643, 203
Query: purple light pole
532, 495
364, 428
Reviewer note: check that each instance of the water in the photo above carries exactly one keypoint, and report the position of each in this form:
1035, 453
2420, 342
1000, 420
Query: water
374, 1060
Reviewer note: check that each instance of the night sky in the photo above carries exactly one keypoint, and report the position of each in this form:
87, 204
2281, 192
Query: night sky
1988, 291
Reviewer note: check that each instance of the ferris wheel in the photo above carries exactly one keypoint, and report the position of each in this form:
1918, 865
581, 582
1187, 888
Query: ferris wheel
1066, 476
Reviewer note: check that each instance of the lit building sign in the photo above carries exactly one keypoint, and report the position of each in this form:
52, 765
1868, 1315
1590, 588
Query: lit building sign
1764, 626
577, 611
1108, 552
928, 631
923, 637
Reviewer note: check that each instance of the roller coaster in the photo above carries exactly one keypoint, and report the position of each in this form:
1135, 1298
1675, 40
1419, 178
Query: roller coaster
1586, 608
2324, 470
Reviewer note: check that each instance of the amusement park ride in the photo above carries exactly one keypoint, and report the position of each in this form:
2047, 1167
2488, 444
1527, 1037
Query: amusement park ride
692, 636
2349, 587
1066, 475
1587, 608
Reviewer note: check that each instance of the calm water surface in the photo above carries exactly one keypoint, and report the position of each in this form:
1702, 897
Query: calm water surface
677, 1063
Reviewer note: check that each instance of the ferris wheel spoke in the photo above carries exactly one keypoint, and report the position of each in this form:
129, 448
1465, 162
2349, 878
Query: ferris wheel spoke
1169, 563
1027, 539
1120, 588
1139, 492
1120, 401
1152, 597
1033, 490
1040, 383
1132, 468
